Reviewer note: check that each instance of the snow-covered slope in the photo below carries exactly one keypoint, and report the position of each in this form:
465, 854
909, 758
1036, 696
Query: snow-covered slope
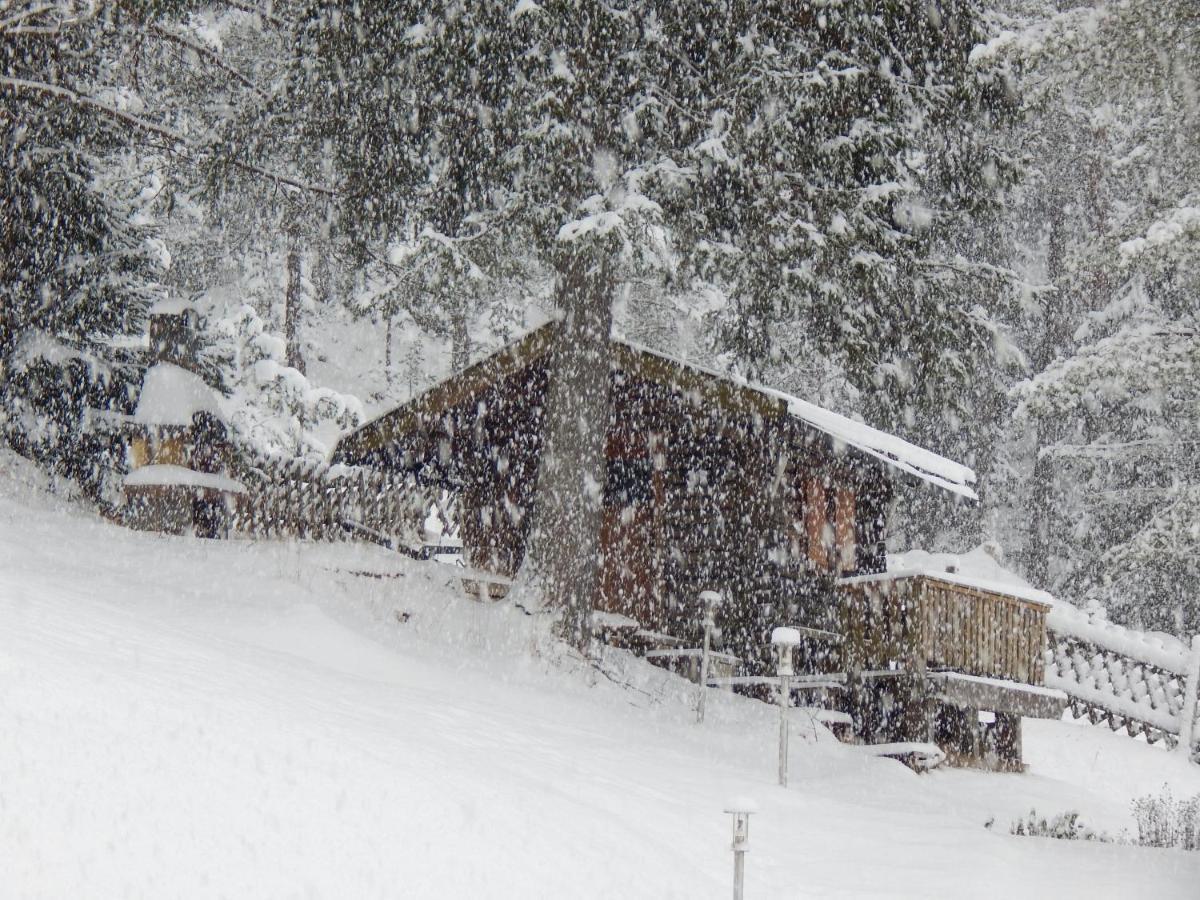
189, 718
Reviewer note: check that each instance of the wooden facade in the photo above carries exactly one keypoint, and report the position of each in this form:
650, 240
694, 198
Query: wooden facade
921, 622
710, 485
716, 485
925, 657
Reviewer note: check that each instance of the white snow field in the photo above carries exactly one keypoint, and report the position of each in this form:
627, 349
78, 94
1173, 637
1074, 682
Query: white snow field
188, 718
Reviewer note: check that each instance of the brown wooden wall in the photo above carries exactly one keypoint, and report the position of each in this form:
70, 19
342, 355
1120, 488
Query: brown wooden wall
700, 496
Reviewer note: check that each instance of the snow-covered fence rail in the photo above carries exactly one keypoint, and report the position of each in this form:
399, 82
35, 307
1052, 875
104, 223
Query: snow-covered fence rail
1143, 683
293, 497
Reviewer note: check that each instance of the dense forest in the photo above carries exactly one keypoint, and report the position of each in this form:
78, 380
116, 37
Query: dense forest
974, 223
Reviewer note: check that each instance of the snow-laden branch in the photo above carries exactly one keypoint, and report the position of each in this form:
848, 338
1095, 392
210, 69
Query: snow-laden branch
178, 141
208, 54
263, 14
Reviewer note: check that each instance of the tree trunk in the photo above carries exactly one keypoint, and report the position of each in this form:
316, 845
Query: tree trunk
1057, 324
460, 338
291, 311
388, 372
564, 547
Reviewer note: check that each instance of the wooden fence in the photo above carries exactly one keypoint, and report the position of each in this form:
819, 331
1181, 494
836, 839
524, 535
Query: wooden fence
291, 497
1141, 683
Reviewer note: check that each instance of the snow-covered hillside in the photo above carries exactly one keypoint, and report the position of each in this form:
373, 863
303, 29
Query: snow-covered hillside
196, 718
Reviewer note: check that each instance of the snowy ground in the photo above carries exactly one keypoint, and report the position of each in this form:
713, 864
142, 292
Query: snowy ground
189, 718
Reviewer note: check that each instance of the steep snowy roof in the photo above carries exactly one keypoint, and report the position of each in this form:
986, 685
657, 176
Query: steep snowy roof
897, 452
171, 395
648, 363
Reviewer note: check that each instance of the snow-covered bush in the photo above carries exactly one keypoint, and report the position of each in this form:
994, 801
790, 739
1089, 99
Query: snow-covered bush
1163, 821
273, 406
1065, 826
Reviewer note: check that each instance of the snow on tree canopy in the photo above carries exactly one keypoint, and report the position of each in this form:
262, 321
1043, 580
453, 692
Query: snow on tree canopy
172, 395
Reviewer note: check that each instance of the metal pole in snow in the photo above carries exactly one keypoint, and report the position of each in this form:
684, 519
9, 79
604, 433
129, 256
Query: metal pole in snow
784, 641
1191, 685
710, 600
785, 691
741, 843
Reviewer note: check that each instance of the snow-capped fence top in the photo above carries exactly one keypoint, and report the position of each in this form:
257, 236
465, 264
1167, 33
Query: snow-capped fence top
302, 498
1143, 683
1162, 650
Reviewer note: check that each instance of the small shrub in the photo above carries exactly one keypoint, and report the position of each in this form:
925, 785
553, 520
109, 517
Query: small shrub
1163, 821
1064, 827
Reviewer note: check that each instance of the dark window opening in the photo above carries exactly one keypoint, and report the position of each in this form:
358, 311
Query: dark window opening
628, 482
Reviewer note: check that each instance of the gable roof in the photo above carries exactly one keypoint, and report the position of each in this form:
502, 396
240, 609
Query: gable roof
643, 362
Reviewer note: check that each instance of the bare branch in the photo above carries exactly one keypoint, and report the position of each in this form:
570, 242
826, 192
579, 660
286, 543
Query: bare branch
286, 180
178, 142
24, 14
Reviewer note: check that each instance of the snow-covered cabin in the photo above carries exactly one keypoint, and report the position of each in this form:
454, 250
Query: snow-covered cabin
719, 484
712, 483
178, 472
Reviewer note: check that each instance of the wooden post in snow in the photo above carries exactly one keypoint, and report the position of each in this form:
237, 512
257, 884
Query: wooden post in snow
710, 599
1187, 714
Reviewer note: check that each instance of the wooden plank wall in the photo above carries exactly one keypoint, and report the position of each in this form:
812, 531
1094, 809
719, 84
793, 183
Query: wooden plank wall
916, 622
982, 633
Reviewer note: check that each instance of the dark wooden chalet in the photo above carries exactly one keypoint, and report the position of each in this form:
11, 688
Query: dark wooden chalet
779, 505
712, 484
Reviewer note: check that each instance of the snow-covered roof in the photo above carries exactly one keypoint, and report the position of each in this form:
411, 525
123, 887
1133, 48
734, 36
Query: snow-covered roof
977, 569
171, 395
845, 432
181, 476
897, 452
171, 308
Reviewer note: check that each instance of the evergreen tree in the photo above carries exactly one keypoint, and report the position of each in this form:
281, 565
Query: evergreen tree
1111, 225
78, 263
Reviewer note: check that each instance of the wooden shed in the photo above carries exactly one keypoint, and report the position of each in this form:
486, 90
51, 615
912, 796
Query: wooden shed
711, 484
933, 656
177, 452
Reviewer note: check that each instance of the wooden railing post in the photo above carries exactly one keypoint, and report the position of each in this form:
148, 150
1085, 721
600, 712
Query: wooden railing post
710, 599
1187, 714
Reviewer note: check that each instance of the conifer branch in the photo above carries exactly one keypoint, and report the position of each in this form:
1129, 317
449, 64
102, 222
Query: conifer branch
214, 58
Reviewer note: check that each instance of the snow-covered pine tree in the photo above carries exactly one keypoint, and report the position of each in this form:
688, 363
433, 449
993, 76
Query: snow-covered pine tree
767, 148
79, 259
1111, 224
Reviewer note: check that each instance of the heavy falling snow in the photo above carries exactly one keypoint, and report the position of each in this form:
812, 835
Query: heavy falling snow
600, 448
219, 719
